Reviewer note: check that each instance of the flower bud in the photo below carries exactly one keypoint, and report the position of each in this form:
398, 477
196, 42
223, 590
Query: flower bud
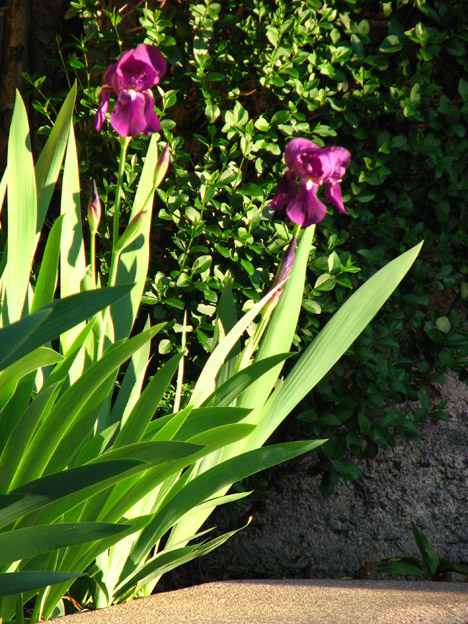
286, 263
162, 166
282, 273
94, 210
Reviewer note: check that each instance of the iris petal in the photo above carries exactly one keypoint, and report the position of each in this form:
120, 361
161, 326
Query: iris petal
100, 116
152, 121
333, 196
341, 159
307, 160
132, 115
296, 147
154, 62
138, 69
109, 75
306, 208
286, 191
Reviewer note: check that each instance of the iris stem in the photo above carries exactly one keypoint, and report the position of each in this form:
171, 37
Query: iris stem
296, 230
92, 253
124, 143
112, 279
105, 319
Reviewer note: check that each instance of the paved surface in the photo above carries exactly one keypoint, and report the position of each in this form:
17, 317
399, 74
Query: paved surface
293, 602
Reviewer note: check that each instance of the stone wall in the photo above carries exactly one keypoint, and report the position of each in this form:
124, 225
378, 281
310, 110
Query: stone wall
297, 533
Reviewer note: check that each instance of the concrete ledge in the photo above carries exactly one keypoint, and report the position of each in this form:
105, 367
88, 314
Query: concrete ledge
293, 602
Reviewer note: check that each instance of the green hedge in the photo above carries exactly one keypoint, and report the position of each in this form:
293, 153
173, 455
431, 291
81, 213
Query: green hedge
388, 81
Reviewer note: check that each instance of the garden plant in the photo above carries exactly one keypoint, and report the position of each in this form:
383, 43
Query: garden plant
430, 567
148, 354
107, 475
388, 81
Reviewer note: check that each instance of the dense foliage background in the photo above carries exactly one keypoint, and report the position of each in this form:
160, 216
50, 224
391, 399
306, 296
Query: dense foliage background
386, 80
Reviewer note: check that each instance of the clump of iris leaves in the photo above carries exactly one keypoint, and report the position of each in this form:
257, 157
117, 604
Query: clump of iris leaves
386, 80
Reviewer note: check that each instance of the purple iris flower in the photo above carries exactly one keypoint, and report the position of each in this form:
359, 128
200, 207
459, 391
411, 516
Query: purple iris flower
131, 79
314, 166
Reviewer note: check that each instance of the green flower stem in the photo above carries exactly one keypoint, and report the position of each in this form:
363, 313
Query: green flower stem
105, 318
92, 253
113, 270
296, 230
180, 369
124, 143
112, 280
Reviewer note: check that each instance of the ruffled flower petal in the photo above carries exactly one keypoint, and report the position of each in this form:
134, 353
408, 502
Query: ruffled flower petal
340, 158
133, 114
100, 116
286, 191
152, 121
295, 148
138, 69
306, 209
333, 196
307, 160
154, 62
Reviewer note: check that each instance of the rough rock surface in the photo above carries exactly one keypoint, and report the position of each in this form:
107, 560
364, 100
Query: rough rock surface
297, 533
